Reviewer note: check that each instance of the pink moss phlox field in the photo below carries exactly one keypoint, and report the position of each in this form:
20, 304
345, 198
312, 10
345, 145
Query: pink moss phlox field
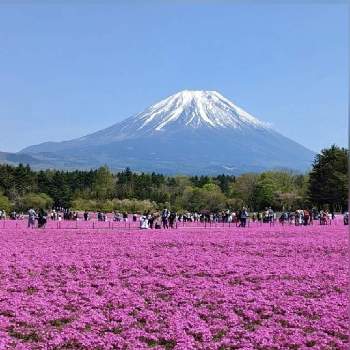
224, 288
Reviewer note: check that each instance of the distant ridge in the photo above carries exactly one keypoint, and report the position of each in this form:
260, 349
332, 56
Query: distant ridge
16, 158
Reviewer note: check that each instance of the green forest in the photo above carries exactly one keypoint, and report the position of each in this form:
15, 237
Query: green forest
325, 186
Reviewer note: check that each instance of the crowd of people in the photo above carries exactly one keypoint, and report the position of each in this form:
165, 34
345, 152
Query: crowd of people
242, 217
168, 219
12, 215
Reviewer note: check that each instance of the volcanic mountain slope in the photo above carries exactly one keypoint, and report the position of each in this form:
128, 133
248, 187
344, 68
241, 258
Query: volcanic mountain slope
16, 158
191, 132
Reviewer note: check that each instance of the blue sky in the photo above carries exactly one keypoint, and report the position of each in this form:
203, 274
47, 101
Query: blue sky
68, 69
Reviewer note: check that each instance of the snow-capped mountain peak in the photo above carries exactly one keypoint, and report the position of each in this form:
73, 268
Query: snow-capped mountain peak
196, 109
191, 132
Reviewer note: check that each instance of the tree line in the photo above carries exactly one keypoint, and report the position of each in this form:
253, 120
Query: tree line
326, 185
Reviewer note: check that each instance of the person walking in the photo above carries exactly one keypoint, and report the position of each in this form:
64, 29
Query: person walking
151, 220
306, 215
42, 218
172, 219
271, 216
31, 218
125, 216
144, 222
243, 217
165, 216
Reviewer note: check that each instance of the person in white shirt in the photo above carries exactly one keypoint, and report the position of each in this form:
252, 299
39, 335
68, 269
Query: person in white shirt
143, 222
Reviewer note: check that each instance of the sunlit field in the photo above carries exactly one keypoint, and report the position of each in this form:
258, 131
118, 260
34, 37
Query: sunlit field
220, 287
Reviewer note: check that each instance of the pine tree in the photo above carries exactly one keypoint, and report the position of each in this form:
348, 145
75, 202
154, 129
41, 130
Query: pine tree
328, 184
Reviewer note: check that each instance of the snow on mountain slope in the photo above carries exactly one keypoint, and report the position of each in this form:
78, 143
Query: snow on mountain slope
185, 110
196, 109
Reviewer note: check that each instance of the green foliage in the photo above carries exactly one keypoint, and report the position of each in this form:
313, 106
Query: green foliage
120, 205
5, 203
280, 189
244, 189
209, 198
210, 187
103, 184
328, 184
37, 201
264, 194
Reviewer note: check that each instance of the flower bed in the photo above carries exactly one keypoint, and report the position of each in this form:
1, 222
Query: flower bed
220, 288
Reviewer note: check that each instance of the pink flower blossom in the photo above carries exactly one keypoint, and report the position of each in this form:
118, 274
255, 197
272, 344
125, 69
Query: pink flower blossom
262, 287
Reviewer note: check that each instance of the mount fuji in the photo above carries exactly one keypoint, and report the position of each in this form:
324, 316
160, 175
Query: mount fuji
191, 132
